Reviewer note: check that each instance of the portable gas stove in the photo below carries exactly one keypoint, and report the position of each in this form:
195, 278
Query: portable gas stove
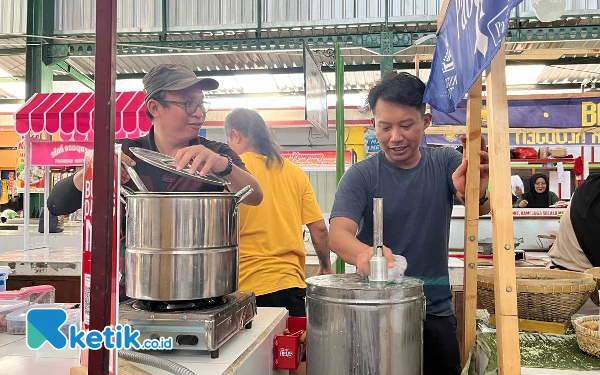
202, 325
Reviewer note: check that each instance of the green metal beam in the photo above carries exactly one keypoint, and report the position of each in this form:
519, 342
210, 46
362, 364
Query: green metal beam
339, 130
76, 74
259, 16
387, 53
554, 34
40, 21
165, 24
370, 41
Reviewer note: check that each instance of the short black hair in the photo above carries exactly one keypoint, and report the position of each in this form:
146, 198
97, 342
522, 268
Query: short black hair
400, 88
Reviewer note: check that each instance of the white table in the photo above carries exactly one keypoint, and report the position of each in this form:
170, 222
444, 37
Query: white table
248, 352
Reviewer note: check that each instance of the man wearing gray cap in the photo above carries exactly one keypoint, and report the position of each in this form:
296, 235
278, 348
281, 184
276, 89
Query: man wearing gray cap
176, 106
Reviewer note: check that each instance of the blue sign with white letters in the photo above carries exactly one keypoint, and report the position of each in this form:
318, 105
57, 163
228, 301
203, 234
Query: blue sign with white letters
470, 36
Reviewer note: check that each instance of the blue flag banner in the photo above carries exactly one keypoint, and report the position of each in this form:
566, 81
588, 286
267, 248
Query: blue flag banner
470, 36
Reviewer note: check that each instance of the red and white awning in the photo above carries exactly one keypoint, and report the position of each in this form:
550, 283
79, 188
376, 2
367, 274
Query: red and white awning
71, 115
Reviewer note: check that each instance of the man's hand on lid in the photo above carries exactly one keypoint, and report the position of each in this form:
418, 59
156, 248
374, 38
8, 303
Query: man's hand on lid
200, 159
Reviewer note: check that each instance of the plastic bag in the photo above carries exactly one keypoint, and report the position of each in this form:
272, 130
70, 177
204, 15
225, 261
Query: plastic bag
396, 274
525, 153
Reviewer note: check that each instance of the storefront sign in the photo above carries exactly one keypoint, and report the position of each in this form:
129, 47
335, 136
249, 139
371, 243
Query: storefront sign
570, 113
552, 212
315, 160
469, 37
59, 154
526, 139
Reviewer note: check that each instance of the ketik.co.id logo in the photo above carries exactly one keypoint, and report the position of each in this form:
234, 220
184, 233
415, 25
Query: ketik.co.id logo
44, 325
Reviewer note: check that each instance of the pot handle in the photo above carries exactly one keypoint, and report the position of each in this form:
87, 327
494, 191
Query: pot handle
125, 192
243, 193
135, 178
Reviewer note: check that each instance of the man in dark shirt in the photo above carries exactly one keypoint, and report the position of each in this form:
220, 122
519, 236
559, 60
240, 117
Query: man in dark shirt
417, 185
175, 104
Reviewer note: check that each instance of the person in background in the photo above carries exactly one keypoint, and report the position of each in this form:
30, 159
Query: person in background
539, 194
53, 226
577, 244
517, 187
272, 255
417, 185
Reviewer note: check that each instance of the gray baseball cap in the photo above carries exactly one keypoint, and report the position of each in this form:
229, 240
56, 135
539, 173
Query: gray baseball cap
174, 77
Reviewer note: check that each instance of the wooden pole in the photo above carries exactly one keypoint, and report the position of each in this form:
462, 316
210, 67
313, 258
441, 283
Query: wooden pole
505, 290
417, 67
472, 147
103, 177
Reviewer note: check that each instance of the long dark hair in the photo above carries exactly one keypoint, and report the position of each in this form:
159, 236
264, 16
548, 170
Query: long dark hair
252, 125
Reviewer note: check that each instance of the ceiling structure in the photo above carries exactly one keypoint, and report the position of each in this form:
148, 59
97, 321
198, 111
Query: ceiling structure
260, 61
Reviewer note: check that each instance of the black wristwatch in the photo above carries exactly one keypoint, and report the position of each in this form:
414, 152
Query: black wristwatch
229, 168
483, 199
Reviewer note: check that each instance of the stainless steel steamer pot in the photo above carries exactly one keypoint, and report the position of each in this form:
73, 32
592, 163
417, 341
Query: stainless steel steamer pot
356, 329
182, 246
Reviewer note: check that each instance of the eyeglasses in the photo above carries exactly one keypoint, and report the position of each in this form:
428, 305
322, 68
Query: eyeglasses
540, 184
190, 107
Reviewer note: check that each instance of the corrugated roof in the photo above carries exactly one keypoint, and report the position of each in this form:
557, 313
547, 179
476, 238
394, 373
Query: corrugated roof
10, 42
224, 61
6, 95
570, 73
13, 64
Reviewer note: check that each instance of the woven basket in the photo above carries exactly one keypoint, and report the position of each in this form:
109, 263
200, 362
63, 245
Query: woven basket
588, 339
542, 294
595, 272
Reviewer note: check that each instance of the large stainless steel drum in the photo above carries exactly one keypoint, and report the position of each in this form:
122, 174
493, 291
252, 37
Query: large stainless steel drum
182, 246
361, 330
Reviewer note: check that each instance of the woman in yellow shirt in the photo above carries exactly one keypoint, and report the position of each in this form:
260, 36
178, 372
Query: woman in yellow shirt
272, 255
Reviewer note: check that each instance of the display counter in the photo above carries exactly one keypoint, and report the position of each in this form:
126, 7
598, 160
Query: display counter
12, 239
59, 267
528, 225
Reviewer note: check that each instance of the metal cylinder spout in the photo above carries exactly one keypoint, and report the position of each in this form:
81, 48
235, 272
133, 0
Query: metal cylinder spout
378, 265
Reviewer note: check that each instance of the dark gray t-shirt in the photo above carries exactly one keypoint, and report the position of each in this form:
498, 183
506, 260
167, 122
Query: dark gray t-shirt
417, 208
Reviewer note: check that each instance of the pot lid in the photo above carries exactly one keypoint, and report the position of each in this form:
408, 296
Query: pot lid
167, 163
343, 288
